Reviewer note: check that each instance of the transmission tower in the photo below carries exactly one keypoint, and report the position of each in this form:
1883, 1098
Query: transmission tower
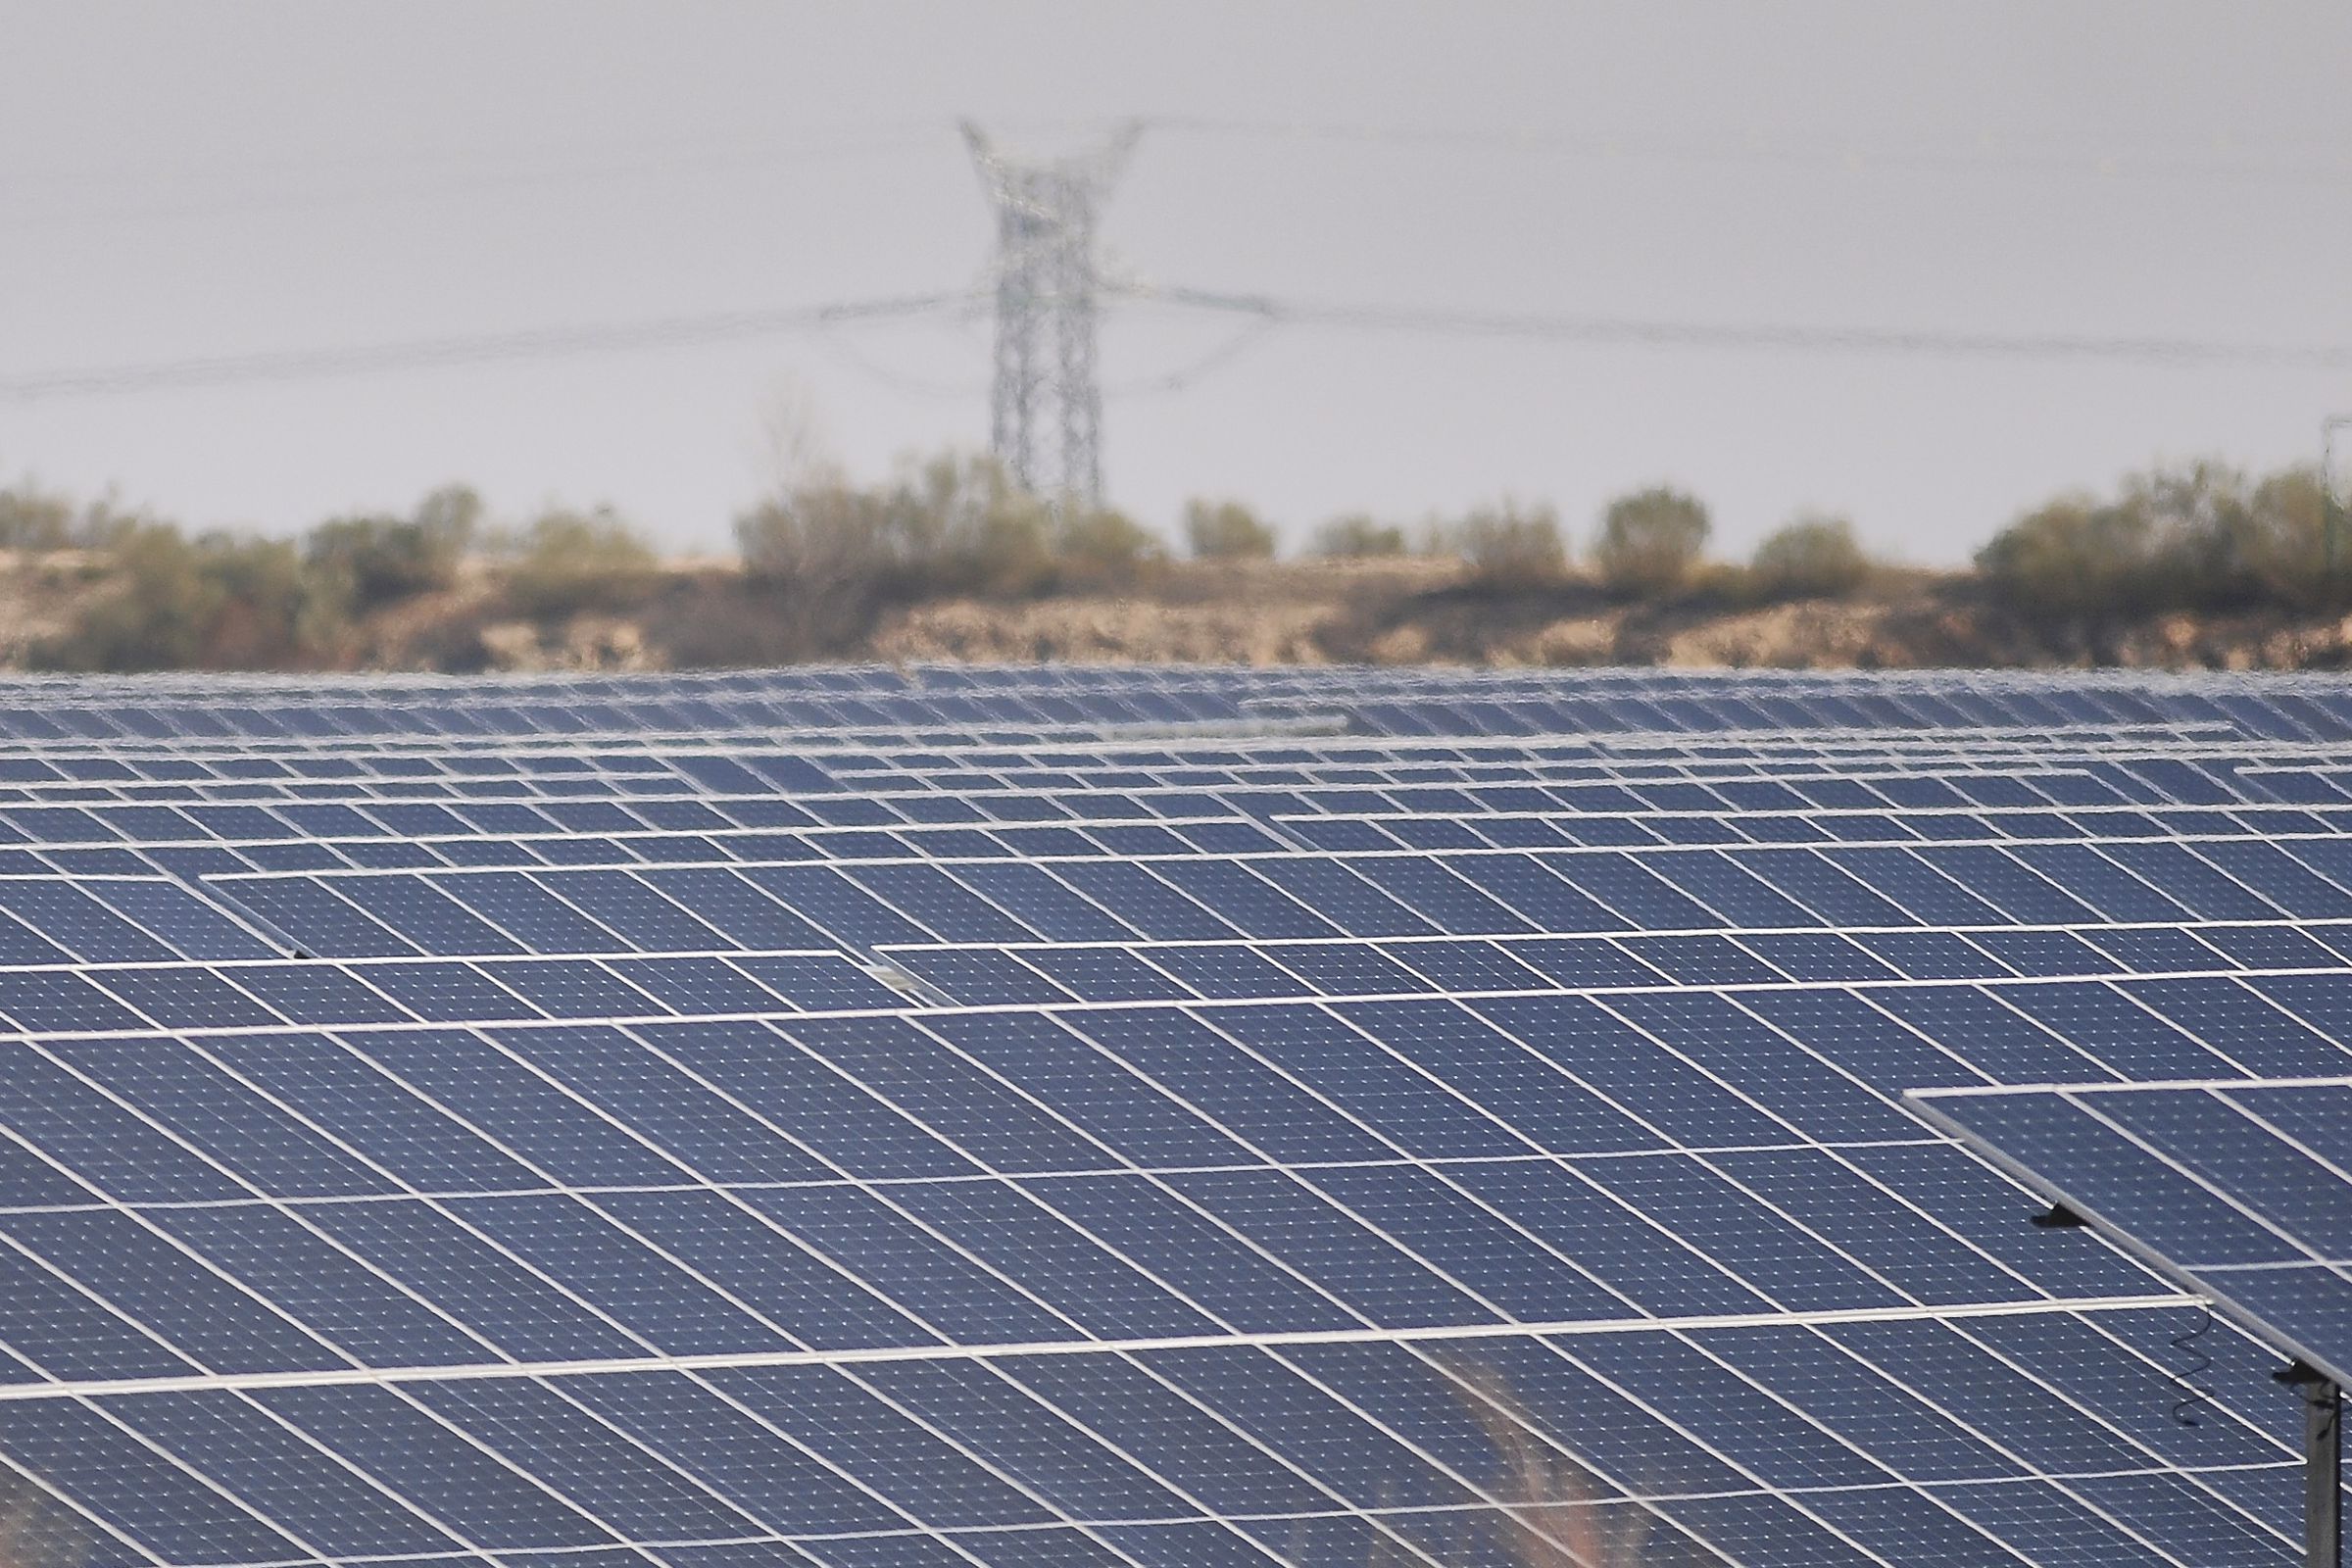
1045, 401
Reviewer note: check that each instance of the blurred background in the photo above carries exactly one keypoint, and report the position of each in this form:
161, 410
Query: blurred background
205, 211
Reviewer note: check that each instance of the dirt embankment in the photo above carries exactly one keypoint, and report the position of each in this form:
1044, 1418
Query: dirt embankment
1423, 612
1396, 610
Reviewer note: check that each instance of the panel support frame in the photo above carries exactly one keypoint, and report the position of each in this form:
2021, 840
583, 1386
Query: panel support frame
2323, 1464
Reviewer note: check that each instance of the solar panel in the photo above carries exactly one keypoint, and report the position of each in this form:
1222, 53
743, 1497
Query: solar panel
1141, 1117
2242, 1186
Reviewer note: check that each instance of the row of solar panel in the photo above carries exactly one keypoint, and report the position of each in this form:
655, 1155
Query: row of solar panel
1326, 1454
972, 766
153, 811
129, 805
800, 905
943, 827
978, 805
273, 995
898, 679
1300, 745
511, 821
719, 783
2202, 775
1231, 835
644, 1263
1438, 831
1497, 1074
48, 998
1295, 680
1008, 901
1553, 710
968, 767
918, 676
1092, 752
453, 714
2285, 718
1185, 971
487, 835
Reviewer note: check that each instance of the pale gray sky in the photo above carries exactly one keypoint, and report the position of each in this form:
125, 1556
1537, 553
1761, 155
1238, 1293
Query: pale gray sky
185, 179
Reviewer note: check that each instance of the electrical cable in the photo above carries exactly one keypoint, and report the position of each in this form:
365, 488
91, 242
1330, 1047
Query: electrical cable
837, 347
1601, 330
1184, 375
1842, 157
2192, 1393
535, 343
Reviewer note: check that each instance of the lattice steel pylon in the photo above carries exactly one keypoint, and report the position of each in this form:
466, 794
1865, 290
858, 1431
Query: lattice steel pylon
1045, 400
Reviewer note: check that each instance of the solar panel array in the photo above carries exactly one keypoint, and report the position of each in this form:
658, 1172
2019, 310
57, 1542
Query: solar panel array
2243, 1187
1146, 1117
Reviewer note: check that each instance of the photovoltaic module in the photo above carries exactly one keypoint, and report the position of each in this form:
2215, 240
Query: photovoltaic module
1169, 1118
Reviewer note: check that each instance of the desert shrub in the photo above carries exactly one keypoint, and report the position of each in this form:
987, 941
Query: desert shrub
1359, 535
2297, 560
2221, 541
1809, 558
951, 524
1507, 543
568, 562
822, 554
36, 520
1651, 540
377, 560
2199, 537
2069, 555
1097, 547
217, 602
822, 537
1226, 530
269, 614
972, 529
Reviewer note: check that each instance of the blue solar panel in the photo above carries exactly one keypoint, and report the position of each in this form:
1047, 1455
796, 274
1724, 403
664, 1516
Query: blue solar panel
2242, 1186
878, 1116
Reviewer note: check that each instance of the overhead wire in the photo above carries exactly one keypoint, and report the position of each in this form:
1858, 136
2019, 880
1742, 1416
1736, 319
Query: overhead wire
1989, 154
1184, 376
836, 345
1605, 330
534, 343
1263, 312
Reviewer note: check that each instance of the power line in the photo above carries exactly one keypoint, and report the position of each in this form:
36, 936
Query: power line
1265, 311
536, 343
1990, 155
1538, 326
1182, 377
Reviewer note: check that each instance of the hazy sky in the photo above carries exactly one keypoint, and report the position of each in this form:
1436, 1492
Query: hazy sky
182, 180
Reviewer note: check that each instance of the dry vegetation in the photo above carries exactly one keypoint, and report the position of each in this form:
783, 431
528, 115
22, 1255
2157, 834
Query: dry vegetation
2189, 568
